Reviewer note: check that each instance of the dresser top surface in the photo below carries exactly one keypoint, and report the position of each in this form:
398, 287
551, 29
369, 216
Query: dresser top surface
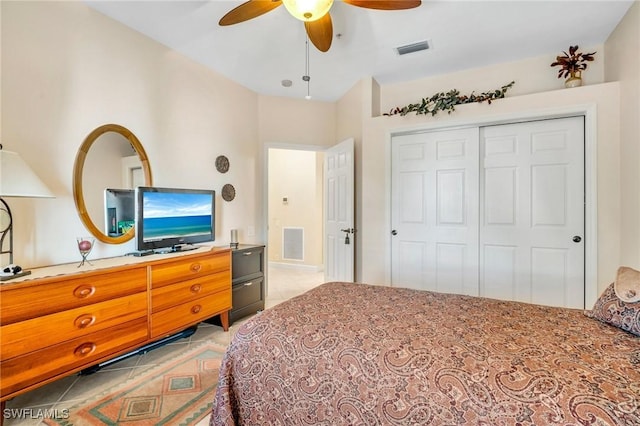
98, 265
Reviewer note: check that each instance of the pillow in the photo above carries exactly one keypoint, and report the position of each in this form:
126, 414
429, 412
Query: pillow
627, 285
613, 311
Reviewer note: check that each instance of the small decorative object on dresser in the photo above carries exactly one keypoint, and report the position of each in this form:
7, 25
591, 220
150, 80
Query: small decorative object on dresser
571, 65
234, 238
85, 245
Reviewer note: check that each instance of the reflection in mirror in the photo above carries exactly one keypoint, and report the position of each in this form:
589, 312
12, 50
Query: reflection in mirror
102, 170
110, 163
120, 211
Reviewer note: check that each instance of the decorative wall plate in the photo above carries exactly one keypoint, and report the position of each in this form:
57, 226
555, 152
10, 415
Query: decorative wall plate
228, 192
222, 164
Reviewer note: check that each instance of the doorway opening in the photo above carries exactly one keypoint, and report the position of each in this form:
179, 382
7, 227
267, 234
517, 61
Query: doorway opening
295, 221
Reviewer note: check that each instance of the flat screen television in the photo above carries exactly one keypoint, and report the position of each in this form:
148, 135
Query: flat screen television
173, 219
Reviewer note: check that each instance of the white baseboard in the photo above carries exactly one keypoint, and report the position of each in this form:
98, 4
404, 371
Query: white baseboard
310, 268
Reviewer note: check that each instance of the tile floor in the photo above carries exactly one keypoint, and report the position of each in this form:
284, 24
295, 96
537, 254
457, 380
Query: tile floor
283, 283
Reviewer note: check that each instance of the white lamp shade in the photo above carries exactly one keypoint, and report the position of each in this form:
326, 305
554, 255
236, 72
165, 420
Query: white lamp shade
308, 10
18, 180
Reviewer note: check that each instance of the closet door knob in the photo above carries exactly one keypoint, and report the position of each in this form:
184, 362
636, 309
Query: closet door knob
394, 232
577, 239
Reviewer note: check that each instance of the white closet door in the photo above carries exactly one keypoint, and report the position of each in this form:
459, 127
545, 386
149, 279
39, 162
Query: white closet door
435, 211
532, 212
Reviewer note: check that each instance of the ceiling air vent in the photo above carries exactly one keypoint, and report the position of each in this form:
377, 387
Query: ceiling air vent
413, 47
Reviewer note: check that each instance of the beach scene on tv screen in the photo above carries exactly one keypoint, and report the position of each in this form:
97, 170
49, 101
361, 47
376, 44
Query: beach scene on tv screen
170, 215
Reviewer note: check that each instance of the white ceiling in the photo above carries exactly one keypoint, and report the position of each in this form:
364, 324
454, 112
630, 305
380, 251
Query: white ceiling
262, 52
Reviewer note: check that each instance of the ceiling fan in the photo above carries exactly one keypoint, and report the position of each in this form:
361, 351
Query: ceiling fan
314, 14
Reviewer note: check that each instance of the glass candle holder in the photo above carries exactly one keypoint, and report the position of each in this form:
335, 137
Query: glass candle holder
234, 238
85, 245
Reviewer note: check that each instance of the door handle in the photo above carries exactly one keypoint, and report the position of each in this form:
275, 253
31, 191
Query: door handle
394, 232
348, 230
576, 239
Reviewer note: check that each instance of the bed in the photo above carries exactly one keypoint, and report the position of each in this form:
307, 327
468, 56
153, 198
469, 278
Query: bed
358, 354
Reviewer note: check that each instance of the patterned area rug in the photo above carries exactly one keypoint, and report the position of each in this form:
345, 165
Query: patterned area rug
177, 392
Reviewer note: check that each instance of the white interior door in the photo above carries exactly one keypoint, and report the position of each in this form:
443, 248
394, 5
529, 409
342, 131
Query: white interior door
532, 214
434, 212
339, 222
132, 173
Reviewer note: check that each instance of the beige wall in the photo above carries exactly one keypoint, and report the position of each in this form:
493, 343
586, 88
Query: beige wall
350, 116
623, 65
66, 70
298, 176
296, 121
533, 75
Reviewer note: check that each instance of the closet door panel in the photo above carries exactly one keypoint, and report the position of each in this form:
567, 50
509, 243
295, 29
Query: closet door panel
435, 211
499, 272
532, 198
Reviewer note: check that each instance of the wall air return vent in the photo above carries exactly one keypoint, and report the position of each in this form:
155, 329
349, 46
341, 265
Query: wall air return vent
292, 243
413, 47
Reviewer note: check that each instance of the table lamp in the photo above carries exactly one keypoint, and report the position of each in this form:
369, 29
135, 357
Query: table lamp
16, 180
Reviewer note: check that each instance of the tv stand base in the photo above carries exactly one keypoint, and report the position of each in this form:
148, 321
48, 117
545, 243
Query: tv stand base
141, 253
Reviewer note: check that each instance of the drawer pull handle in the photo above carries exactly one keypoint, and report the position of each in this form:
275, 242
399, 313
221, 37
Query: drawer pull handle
248, 284
84, 321
85, 349
196, 288
247, 253
195, 309
196, 267
84, 291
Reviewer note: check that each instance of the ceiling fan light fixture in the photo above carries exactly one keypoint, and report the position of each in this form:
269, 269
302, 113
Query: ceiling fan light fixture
308, 10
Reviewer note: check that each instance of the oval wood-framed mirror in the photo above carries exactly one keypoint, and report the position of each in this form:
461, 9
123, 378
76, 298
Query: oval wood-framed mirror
78, 173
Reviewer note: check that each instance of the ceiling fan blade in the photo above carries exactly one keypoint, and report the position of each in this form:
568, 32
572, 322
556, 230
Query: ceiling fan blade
320, 32
385, 4
249, 10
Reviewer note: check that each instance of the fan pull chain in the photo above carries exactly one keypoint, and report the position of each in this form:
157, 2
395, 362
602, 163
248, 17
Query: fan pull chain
306, 76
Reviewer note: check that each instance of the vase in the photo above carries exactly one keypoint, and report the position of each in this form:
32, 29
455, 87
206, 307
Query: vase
574, 80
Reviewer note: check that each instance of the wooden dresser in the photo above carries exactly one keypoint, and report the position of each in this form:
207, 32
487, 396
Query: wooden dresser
62, 319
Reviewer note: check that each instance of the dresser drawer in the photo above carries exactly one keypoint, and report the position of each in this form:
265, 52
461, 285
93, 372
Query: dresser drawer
182, 316
27, 336
26, 301
186, 291
247, 293
185, 269
74, 355
247, 262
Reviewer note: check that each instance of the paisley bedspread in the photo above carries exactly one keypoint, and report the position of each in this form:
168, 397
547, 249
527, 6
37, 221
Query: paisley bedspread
357, 354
